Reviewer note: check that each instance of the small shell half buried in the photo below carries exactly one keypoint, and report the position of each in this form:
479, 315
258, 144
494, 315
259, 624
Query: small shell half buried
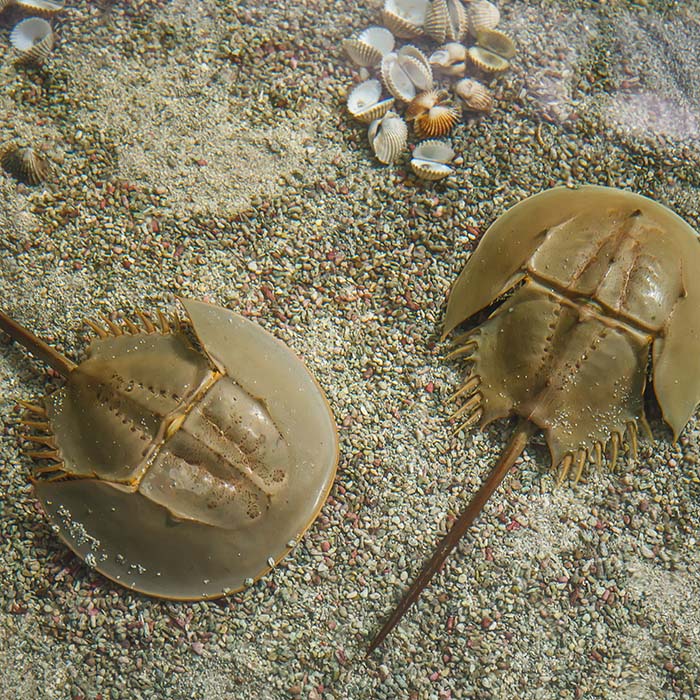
365, 103
430, 160
33, 39
388, 137
24, 163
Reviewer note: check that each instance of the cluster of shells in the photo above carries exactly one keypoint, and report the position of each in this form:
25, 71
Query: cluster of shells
33, 38
471, 53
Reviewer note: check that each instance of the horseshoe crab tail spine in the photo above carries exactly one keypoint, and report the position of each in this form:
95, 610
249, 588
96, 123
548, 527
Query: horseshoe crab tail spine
36, 346
512, 451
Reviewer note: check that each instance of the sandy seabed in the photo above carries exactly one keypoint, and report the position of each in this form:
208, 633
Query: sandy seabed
202, 149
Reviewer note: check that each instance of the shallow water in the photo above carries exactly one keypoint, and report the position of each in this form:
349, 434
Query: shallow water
202, 149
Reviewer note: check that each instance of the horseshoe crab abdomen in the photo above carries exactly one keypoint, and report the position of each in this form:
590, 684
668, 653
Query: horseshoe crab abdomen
575, 373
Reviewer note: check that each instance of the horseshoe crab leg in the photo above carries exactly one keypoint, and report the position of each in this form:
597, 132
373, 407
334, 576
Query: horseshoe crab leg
523, 432
36, 346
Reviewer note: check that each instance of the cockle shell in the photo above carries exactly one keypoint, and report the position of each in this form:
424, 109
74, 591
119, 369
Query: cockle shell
365, 103
474, 95
487, 61
405, 18
431, 114
41, 7
450, 59
24, 163
406, 72
482, 14
33, 38
430, 160
445, 20
388, 137
496, 42
370, 46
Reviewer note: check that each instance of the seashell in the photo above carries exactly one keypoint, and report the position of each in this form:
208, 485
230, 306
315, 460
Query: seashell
33, 38
431, 114
430, 160
388, 137
446, 20
41, 7
487, 61
474, 95
25, 164
482, 14
406, 72
5, 3
496, 42
365, 103
405, 18
370, 46
450, 59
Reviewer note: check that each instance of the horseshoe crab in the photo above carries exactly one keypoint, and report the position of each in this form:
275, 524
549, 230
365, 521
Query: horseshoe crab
602, 278
181, 460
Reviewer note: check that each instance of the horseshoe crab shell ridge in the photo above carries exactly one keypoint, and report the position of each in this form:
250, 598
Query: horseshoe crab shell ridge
229, 481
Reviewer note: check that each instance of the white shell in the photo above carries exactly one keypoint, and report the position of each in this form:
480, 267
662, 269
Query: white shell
370, 46
406, 73
482, 14
388, 137
41, 7
33, 38
405, 18
450, 59
365, 103
430, 159
474, 95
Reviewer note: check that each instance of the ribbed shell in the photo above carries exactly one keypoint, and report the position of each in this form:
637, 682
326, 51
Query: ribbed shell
446, 20
431, 115
405, 18
388, 137
24, 164
33, 38
474, 95
365, 103
430, 160
496, 42
482, 14
46, 8
370, 46
406, 72
487, 61
450, 59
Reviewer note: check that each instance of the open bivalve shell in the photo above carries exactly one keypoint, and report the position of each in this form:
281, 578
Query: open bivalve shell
475, 96
24, 163
432, 114
365, 103
430, 160
370, 46
406, 73
487, 61
450, 59
405, 18
446, 20
41, 7
33, 39
388, 137
496, 42
482, 14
